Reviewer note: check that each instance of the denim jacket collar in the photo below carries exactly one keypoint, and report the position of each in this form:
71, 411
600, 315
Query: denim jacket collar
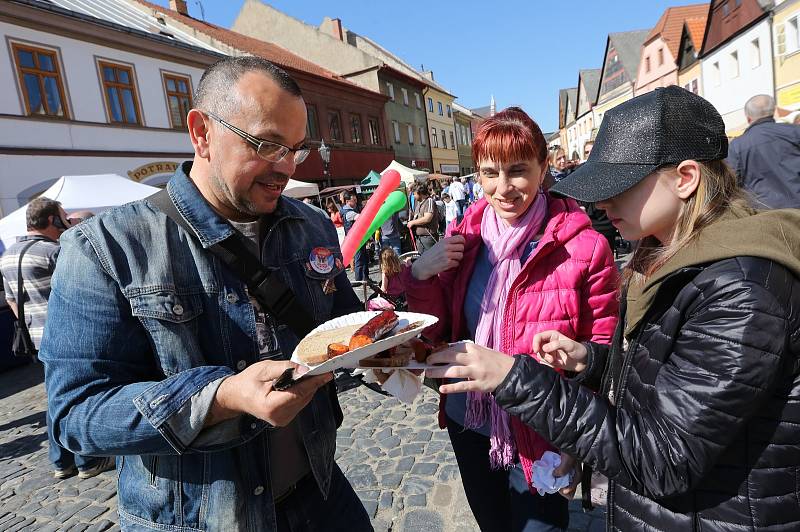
208, 225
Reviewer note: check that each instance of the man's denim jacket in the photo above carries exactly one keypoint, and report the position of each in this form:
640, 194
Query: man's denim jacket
142, 319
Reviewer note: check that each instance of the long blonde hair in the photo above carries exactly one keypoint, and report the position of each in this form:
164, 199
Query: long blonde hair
390, 262
717, 193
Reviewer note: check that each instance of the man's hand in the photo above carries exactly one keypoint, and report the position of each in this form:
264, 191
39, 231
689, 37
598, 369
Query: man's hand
251, 392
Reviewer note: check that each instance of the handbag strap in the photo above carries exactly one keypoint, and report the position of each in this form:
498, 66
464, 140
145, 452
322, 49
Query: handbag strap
21, 287
265, 285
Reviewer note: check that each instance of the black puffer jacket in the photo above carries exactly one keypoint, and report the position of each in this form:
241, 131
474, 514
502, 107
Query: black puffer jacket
706, 431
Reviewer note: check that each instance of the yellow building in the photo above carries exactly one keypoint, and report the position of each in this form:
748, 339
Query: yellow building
441, 131
690, 78
785, 20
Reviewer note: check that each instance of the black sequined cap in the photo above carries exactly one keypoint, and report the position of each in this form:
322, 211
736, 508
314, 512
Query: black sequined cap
637, 137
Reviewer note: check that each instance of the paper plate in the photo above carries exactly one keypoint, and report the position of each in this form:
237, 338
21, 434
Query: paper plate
352, 358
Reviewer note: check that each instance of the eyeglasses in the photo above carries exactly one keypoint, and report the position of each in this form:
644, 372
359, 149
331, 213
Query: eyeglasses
268, 150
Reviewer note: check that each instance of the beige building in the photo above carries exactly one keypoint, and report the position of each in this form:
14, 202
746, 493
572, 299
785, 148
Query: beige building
441, 129
786, 16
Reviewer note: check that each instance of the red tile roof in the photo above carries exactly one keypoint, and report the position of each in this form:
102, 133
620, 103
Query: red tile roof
272, 52
696, 27
670, 26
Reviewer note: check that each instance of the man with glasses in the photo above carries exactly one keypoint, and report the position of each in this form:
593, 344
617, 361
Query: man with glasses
46, 221
169, 360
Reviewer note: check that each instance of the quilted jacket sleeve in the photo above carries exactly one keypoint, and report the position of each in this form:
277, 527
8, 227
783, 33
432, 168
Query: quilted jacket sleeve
599, 300
429, 297
661, 442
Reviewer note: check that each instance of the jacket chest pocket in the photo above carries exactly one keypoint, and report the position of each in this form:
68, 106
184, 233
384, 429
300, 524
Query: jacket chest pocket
172, 322
318, 280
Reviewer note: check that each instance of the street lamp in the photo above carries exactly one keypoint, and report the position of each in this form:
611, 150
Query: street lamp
325, 153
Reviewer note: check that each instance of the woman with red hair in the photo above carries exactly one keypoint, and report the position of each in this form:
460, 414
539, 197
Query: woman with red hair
519, 262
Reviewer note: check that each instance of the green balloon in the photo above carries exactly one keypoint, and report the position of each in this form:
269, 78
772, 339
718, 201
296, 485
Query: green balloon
395, 202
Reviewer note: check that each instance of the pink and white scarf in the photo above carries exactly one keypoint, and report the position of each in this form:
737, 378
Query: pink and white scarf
506, 244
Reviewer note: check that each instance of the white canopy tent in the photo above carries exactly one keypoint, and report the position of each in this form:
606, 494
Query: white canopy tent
95, 193
407, 175
300, 189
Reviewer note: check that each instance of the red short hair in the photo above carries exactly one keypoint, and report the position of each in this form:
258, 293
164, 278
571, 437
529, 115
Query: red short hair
510, 135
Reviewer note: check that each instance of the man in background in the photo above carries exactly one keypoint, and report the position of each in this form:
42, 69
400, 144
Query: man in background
767, 156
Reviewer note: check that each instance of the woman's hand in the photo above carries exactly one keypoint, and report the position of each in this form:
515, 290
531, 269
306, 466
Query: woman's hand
568, 464
444, 255
560, 351
484, 368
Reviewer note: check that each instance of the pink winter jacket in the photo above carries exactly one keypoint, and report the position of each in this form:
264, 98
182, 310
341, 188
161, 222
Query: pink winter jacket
568, 284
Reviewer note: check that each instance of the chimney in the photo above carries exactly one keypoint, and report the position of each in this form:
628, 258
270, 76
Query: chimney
333, 27
492, 107
179, 6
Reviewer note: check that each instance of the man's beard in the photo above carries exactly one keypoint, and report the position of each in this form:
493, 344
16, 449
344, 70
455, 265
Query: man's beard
243, 205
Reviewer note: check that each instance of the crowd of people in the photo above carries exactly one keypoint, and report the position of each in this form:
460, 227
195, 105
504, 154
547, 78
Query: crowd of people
671, 387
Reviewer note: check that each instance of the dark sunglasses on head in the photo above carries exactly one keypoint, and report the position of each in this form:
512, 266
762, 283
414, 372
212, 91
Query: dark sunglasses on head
58, 223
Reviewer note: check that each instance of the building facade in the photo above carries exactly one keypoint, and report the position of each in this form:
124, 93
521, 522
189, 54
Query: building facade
350, 118
82, 96
736, 59
786, 31
689, 70
571, 125
658, 65
588, 84
620, 68
463, 118
441, 134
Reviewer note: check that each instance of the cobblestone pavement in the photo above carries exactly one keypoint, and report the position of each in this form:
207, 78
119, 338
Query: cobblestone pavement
399, 462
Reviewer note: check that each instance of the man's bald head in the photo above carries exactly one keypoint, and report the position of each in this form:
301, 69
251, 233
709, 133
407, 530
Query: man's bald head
214, 90
760, 106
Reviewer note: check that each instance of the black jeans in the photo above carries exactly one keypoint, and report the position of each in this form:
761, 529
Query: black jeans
500, 500
361, 265
306, 511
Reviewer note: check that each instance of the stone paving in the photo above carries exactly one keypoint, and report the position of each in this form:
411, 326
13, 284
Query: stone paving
401, 465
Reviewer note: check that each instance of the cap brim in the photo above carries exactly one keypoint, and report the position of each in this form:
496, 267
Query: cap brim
598, 181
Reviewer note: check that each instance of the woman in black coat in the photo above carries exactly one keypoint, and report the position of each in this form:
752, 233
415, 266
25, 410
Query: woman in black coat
693, 413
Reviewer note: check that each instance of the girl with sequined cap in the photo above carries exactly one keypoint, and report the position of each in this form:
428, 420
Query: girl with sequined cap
693, 412
520, 262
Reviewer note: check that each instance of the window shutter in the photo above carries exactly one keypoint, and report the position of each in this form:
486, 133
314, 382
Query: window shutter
780, 39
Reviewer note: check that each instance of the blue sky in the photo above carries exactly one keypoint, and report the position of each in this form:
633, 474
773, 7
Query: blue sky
521, 51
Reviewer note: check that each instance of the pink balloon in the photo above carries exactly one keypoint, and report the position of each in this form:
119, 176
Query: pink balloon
390, 180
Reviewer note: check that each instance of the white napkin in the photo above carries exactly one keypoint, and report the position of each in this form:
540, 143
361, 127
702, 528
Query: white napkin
543, 479
401, 383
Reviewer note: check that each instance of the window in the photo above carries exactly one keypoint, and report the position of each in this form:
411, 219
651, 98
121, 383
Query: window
120, 93
434, 139
334, 125
444, 139
755, 53
374, 131
647, 64
355, 129
726, 9
179, 99
792, 36
40, 79
734, 64
715, 76
441, 113
410, 134
418, 99
390, 90
452, 141
422, 136
430, 105
660, 56
405, 96
694, 86
396, 128
449, 112
312, 123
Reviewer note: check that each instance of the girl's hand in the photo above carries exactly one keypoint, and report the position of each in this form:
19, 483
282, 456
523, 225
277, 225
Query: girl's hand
444, 255
568, 464
484, 368
560, 351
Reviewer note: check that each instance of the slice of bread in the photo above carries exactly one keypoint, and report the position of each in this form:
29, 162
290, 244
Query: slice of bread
313, 349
